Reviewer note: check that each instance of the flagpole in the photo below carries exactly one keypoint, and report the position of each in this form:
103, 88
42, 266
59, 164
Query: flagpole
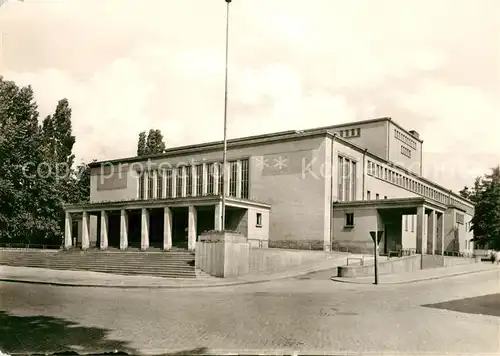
224, 152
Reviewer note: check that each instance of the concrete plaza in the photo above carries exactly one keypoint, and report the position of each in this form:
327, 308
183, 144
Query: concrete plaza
307, 314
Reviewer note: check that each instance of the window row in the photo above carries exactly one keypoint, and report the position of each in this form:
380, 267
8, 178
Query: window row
346, 179
404, 138
350, 132
194, 180
405, 151
401, 180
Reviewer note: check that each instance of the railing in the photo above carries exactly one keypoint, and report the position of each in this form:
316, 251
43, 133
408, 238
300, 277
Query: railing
30, 246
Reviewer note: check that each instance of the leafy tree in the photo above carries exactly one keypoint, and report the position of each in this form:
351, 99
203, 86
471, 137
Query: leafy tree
29, 198
141, 144
486, 220
152, 144
57, 146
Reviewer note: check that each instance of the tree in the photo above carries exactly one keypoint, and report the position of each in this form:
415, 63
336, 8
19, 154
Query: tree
141, 144
486, 220
29, 197
57, 146
152, 144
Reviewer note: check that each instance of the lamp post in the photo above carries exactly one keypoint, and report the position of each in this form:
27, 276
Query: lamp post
224, 152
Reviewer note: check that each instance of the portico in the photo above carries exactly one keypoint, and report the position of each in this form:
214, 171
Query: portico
164, 224
389, 215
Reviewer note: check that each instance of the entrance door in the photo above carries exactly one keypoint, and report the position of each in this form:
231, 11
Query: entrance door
180, 227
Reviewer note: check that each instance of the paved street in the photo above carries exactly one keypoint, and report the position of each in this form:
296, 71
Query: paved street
307, 313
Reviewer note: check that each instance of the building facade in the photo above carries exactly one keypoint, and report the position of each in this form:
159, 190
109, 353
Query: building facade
323, 188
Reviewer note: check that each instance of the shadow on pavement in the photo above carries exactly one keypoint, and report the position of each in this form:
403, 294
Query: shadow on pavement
483, 305
42, 334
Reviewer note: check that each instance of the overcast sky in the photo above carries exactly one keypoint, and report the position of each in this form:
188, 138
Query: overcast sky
128, 66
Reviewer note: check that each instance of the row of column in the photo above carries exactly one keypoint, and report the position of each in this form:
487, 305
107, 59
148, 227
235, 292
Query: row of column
427, 243
145, 222
217, 168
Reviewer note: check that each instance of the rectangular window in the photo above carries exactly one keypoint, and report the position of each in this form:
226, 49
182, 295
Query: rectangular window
210, 176
413, 223
159, 184
347, 179
233, 177
259, 220
168, 187
353, 180
377, 196
340, 179
405, 151
188, 170
199, 180
179, 182
368, 195
460, 218
151, 178
406, 222
142, 178
349, 219
221, 178
244, 178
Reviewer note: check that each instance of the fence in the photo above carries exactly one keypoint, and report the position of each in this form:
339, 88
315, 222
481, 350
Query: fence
30, 246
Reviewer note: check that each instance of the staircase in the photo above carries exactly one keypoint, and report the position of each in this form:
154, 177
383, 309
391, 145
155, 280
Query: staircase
171, 264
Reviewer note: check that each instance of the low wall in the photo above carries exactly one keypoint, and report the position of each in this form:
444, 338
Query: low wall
404, 264
275, 260
222, 254
298, 244
399, 265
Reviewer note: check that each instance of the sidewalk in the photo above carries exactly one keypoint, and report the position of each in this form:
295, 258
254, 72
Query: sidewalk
423, 275
107, 280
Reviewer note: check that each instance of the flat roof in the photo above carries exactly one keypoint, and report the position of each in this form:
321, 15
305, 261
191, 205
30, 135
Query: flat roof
159, 203
279, 137
235, 142
394, 202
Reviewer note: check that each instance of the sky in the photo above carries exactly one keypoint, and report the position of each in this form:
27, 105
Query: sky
128, 66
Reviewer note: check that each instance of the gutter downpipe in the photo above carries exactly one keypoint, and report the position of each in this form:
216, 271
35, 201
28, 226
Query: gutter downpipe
330, 204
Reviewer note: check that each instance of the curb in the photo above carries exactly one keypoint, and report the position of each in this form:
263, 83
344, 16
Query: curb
335, 279
179, 286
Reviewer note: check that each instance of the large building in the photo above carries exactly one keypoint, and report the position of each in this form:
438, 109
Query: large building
323, 188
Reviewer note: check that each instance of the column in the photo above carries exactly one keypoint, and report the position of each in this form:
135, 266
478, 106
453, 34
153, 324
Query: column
144, 229
431, 233
218, 216
104, 230
440, 233
192, 228
238, 179
68, 233
421, 247
85, 230
167, 229
123, 229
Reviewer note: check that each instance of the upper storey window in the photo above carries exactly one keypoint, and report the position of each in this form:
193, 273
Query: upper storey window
356, 132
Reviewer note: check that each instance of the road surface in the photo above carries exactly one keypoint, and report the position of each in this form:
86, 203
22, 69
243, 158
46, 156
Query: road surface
309, 314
